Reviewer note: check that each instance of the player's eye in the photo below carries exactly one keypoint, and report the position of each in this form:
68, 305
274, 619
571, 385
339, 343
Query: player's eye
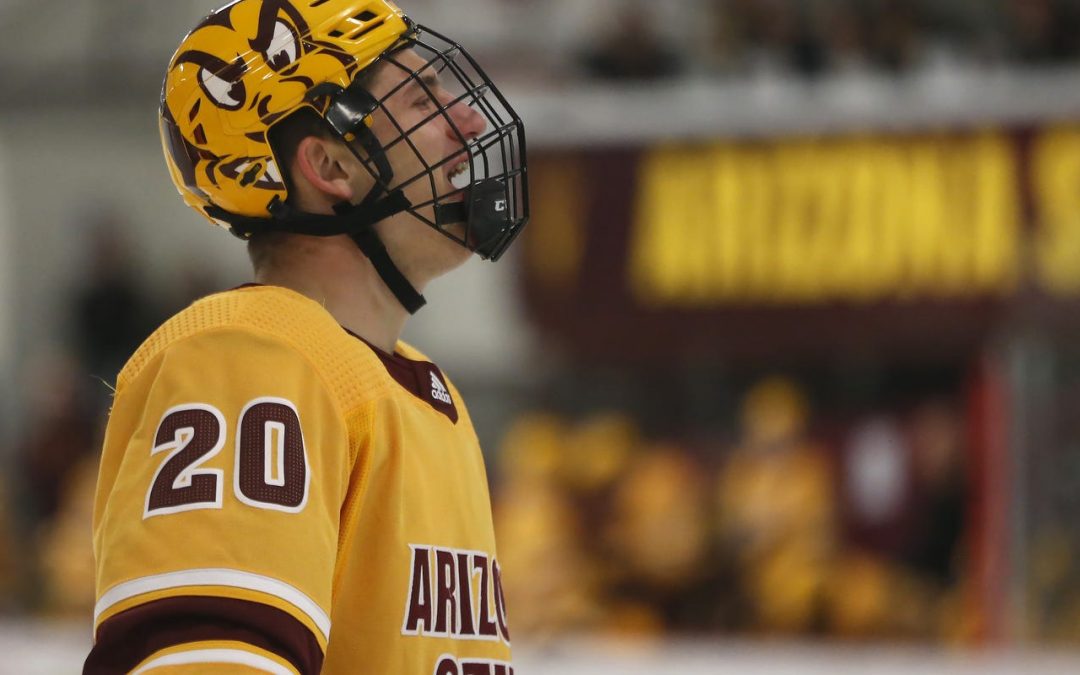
228, 95
283, 48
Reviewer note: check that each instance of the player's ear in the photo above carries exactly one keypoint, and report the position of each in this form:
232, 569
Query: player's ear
325, 164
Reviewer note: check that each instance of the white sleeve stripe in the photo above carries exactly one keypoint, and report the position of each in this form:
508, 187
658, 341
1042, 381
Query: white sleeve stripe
234, 656
215, 577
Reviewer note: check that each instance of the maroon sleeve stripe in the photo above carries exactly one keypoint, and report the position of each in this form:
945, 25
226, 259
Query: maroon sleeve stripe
129, 637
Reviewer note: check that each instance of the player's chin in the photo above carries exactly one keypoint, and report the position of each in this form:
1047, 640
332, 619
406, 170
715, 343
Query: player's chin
461, 254
447, 253
455, 237
456, 231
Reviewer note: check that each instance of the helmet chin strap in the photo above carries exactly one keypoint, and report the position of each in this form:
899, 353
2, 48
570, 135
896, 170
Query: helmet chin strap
355, 220
366, 238
368, 241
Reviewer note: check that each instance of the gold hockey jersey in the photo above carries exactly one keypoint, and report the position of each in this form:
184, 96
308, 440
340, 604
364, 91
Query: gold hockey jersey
276, 495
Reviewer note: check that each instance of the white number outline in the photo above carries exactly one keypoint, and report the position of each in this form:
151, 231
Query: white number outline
267, 452
183, 479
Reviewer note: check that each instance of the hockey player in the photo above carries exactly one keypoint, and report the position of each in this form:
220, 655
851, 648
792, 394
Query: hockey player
286, 487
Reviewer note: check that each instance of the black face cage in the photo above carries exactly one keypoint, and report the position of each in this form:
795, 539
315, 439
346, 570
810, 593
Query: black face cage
485, 206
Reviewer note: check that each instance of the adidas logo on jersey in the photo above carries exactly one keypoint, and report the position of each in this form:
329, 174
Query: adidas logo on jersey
438, 390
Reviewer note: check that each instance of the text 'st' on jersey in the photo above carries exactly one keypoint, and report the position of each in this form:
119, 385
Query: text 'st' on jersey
276, 495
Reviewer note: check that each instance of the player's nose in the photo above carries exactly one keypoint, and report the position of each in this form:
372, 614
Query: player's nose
468, 121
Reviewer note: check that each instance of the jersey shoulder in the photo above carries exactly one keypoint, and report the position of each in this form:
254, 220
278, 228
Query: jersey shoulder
228, 322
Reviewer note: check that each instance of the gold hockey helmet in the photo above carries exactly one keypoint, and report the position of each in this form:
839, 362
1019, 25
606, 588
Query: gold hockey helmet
246, 66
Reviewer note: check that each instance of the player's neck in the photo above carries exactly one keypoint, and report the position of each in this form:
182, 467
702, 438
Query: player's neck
369, 310
343, 281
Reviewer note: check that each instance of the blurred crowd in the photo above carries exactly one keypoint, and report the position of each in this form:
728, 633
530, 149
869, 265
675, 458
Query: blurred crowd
811, 38
625, 40
791, 524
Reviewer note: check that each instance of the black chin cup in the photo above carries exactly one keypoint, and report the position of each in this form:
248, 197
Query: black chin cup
485, 213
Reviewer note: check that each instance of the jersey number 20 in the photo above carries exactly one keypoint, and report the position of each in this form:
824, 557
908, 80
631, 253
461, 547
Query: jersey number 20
271, 468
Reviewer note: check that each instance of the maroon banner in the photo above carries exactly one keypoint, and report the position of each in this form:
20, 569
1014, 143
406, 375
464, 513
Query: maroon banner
923, 245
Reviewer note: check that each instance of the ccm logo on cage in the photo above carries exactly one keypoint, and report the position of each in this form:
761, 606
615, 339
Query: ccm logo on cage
456, 594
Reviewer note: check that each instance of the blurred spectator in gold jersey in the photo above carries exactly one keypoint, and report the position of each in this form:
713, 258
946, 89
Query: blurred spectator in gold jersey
776, 512
541, 532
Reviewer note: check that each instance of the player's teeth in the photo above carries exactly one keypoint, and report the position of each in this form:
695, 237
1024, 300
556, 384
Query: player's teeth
459, 177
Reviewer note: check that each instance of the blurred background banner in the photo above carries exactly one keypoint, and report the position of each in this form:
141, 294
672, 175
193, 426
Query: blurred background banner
789, 351
917, 242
